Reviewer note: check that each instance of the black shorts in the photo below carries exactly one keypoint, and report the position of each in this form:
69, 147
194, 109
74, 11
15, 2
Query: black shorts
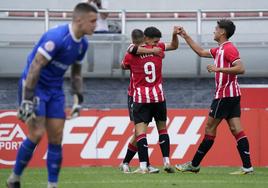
130, 107
145, 112
225, 108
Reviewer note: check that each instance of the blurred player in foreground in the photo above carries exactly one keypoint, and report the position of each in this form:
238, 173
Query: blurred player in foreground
226, 103
148, 98
41, 95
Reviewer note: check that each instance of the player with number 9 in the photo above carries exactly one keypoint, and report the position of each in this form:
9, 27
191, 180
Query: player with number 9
149, 100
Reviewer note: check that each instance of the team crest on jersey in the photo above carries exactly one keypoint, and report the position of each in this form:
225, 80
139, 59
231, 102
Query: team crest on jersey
49, 46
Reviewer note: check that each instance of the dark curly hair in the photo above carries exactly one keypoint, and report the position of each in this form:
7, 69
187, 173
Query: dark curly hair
228, 26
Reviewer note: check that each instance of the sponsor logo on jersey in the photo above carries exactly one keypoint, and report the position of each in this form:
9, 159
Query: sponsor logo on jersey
60, 65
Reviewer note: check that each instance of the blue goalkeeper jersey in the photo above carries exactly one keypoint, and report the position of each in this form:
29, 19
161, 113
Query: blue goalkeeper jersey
62, 49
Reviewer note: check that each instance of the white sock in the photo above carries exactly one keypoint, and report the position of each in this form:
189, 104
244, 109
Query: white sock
143, 165
247, 169
13, 178
166, 161
52, 185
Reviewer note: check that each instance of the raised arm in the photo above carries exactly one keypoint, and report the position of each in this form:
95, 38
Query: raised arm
174, 44
196, 47
135, 49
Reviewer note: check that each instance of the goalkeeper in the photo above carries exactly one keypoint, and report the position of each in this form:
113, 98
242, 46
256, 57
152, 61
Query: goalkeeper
41, 95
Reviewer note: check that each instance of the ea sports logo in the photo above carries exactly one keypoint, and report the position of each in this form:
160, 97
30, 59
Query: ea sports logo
11, 137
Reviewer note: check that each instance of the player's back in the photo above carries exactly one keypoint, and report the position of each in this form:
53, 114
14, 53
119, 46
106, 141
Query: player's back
147, 70
60, 47
147, 77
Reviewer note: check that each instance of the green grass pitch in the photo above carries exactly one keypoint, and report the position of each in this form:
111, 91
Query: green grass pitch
107, 177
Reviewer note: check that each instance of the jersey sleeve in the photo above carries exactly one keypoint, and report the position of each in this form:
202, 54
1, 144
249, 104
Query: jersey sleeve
132, 49
126, 61
232, 54
83, 50
162, 46
213, 52
50, 45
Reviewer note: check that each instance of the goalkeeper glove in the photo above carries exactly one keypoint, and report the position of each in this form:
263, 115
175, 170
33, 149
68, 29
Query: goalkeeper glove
78, 100
27, 109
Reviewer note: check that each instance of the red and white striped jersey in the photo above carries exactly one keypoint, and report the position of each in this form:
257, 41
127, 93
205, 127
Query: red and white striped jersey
146, 74
130, 90
130, 86
224, 57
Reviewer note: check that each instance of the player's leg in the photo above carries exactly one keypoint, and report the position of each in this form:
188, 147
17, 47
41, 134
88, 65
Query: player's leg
131, 151
142, 144
207, 142
204, 147
235, 127
54, 127
36, 131
160, 116
215, 117
142, 117
164, 143
54, 155
132, 146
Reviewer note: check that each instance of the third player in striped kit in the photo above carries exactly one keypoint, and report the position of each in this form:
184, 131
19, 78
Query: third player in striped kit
226, 103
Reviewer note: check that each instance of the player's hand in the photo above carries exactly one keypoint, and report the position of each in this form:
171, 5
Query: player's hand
181, 32
157, 51
175, 30
125, 66
212, 68
26, 110
75, 111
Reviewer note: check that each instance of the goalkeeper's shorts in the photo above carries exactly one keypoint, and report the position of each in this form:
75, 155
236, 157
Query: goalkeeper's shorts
51, 101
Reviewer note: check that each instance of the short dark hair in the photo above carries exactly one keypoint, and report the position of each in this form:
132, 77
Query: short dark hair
152, 32
81, 8
228, 26
137, 36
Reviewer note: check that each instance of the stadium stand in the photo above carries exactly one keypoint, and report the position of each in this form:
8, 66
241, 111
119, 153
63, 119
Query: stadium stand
251, 43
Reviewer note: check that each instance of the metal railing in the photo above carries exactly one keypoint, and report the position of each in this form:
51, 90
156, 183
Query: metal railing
126, 16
